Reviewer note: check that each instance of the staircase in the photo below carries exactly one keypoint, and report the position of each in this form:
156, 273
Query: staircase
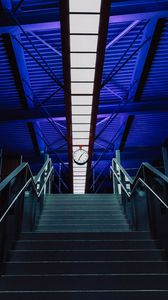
82, 213
83, 249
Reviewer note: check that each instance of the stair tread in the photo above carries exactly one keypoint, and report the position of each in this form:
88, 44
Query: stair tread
85, 282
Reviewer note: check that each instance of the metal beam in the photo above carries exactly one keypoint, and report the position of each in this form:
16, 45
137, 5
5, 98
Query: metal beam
45, 43
30, 27
64, 12
57, 112
113, 93
126, 133
149, 57
24, 77
118, 141
27, 94
122, 34
149, 33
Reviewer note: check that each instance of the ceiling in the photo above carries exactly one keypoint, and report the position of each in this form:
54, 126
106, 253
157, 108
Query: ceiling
132, 93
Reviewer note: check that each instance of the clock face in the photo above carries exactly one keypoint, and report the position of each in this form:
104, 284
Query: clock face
80, 157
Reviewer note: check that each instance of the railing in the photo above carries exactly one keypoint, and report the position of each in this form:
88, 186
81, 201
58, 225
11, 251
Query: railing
144, 198
21, 201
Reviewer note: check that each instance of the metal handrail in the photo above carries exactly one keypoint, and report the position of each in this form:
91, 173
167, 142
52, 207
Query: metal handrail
124, 171
128, 193
138, 179
31, 180
12, 175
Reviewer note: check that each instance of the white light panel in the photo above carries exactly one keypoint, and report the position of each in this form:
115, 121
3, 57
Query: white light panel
80, 169
83, 60
79, 179
77, 134
79, 172
86, 23
83, 43
80, 127
79, 142
81, 100
85, 6
86, 110
81, 88
82, 74
77, 119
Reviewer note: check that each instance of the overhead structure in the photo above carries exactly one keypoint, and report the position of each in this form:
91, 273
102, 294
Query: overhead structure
88, 75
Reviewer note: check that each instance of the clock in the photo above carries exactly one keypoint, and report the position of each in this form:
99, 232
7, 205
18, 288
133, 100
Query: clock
80, 156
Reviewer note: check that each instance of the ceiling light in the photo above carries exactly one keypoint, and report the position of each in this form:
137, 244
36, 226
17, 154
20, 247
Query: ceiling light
81, 88
80, 142
83, 23
83, 43
83, 60
86, 110
80, 127
84, 134
82, 74
85, 6
77, 119
81, 100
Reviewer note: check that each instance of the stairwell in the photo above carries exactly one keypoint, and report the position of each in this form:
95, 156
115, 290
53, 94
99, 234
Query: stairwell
83, 248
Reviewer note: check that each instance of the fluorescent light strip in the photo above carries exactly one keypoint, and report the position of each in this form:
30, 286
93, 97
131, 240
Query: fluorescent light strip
82, 88
86, 110
83, 43
85, 6
80, 127
83, 60
82, 75
77, 134
84, 21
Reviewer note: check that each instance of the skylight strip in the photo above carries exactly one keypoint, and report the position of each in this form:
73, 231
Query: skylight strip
82, 75
77, 134
81, 119
82, 88
87, 23
82, 100
85, 6
83, 43
84, 19
83, 60
86, 110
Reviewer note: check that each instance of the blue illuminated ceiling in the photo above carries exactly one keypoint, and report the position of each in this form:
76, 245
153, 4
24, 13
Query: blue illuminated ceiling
133, 102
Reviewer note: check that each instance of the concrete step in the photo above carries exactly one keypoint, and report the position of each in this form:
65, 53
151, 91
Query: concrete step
89, 295
81, 221
80, 213
72, 282
138, 235
82, 228
55, 206
84, 244
82, 218
90, 267
87, 255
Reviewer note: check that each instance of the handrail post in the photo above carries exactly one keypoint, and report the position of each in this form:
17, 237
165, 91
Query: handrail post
165, 159
60, 171
116, 184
